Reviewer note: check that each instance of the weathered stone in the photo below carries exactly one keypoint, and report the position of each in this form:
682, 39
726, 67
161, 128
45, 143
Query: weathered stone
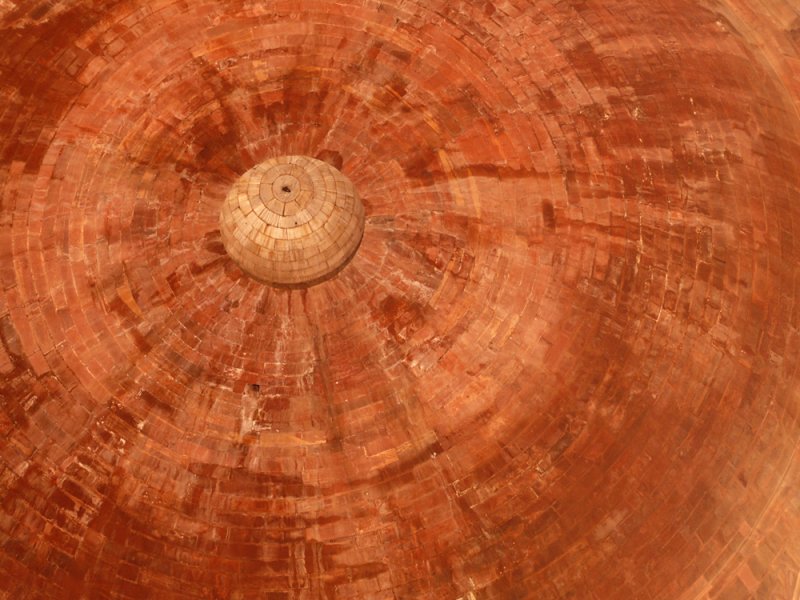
562, 363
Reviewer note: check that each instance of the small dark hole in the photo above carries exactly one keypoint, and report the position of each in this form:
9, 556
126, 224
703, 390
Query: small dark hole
255, 387
286, 189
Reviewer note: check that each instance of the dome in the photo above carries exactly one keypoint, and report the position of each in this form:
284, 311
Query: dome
292, 221
561, 362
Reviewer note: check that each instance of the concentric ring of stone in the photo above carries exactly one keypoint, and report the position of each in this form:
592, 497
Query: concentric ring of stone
292, 221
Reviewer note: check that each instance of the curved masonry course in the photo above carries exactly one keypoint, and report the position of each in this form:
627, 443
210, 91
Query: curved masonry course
292, 221
561, 363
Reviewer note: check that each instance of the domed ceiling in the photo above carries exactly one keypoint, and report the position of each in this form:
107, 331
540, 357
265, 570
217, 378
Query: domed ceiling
562, 363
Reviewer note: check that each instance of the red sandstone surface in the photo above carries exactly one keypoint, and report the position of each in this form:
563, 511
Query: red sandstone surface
562, 364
